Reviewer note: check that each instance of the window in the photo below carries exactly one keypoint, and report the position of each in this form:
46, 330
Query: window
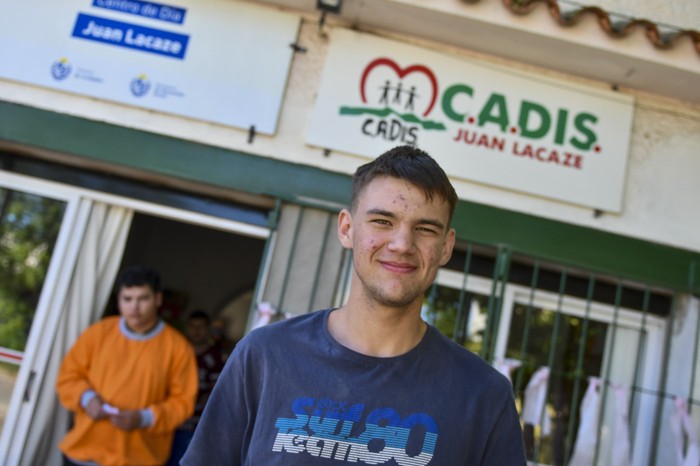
577, 325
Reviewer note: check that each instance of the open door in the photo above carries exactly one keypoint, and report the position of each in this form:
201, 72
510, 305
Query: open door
71, 246
30, 219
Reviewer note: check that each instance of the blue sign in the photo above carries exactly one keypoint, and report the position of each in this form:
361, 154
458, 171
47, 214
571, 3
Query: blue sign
131, 36
151, 10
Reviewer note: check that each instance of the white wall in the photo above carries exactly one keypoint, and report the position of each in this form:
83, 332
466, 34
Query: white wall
662, 189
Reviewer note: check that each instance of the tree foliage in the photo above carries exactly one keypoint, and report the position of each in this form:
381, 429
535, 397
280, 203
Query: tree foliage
29, 226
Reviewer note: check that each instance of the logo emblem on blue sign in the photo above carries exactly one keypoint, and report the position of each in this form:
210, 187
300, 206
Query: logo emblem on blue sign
60, 69
140, 85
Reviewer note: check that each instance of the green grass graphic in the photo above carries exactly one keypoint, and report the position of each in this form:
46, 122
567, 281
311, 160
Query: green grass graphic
386, 111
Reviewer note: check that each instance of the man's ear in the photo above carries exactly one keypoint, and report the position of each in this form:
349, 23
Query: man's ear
159, 298
447, 248
345, 228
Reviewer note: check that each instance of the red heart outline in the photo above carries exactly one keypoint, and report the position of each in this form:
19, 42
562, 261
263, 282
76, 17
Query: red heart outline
401, 73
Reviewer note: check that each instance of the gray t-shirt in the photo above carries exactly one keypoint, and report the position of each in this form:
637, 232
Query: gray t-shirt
292, 395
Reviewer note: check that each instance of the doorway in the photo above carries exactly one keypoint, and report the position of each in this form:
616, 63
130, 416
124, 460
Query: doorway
200, 267
207, 261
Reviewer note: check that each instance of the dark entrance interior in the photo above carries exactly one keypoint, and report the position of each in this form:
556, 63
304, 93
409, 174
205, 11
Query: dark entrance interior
200, 267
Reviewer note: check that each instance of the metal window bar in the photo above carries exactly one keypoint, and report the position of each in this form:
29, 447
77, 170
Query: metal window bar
459, 332
499, 282
550, 359
528, 322
664, 378
641, 356
608, 368
569, 445
490, 323
431, 303
695, 364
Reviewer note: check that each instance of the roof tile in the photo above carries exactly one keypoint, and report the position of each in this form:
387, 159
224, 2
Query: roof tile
617, 26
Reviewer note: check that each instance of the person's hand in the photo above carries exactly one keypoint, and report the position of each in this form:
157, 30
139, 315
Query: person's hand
126, 420
94, 409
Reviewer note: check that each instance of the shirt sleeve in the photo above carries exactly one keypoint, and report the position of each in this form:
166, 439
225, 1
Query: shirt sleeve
73, 375
505, 443
221, 435
182, 391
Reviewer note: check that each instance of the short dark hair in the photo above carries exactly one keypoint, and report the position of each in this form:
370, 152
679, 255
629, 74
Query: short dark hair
139, 275
199, 314
410, 164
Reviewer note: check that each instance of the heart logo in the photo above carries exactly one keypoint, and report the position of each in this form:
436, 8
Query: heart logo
401, 72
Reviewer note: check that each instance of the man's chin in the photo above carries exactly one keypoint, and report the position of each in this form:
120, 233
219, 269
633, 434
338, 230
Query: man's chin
397, 301
138, 325
133, 324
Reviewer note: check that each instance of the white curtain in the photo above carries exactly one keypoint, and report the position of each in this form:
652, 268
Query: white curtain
96, 267
586, 439
506, 366
535, 401
621, 447
684, 433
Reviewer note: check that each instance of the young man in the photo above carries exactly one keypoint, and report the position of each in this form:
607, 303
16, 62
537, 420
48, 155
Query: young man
129, 379
369, 382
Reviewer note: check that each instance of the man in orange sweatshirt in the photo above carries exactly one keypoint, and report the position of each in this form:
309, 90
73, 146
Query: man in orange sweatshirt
129, 379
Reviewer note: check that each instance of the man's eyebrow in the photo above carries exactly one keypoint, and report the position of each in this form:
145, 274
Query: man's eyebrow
382, 212
424, 221
433, 222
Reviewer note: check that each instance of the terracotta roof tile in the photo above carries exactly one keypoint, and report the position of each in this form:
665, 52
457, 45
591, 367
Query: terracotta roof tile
662, 37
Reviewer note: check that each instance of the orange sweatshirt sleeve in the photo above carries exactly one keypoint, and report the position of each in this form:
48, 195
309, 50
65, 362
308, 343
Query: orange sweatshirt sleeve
182, 389
72, 380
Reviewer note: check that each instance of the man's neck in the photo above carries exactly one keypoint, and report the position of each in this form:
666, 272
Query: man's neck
145, 331
379, 332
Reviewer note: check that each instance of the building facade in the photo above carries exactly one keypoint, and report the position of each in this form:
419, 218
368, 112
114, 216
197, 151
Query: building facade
215, 140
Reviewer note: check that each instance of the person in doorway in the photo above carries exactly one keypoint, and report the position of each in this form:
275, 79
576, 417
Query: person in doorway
130, 380
369, 382
210, 363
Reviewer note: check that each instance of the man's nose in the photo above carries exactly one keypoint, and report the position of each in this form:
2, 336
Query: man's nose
402, 240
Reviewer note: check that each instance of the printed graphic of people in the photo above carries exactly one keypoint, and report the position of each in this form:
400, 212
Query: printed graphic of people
411, 95
397, 96
398, 90
385, 93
